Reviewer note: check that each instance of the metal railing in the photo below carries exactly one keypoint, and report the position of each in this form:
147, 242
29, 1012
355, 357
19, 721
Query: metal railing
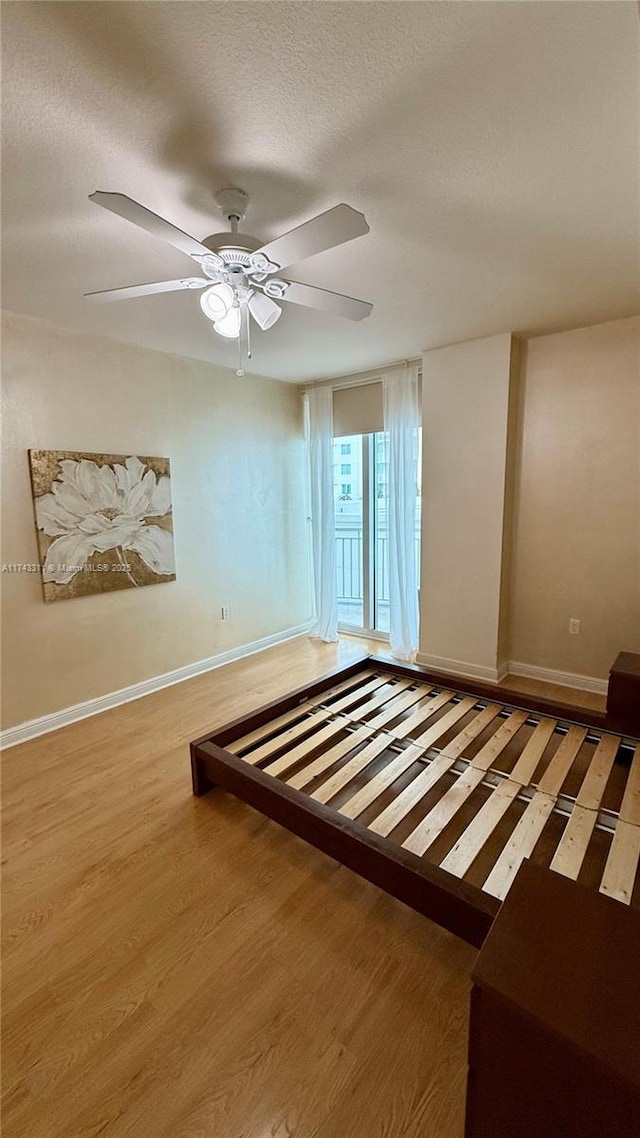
349, 570
349, 564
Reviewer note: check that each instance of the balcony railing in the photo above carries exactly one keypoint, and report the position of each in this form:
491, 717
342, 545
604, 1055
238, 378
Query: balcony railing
349, 563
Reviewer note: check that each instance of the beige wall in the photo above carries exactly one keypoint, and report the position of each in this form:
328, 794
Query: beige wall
465, 401
576, 541
236, 450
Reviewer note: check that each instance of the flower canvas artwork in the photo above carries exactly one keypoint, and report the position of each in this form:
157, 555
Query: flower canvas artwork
104, 521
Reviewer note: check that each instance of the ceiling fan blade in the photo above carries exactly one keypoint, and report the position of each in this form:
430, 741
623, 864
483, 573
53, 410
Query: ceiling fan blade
333, 302
337, 225
148, 289
140, 215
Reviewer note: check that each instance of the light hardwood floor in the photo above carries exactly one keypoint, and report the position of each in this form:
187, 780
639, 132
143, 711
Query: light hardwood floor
182, 968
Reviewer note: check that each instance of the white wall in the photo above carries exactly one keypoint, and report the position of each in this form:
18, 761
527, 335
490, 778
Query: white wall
576, 547
237, 456
465, 414
531, 503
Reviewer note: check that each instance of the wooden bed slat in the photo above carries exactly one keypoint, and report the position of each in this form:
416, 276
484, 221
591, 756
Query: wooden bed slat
574, 842
402, 703
425, 711
310, 723
595, 780
393, 814
499, 740
412, 794
575, 839
462, 740
552, 779
304, 727
620, 871
520, 845
630, 808
466, 849
334, 727
368, 794
439, 817
391, 696
396, 767
427, 738
462, 855
351, 769
328, 758
534, 749
267, 729
273, 725
352, 699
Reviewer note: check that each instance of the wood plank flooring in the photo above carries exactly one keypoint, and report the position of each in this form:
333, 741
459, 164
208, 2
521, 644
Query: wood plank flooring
177, 967
181, 968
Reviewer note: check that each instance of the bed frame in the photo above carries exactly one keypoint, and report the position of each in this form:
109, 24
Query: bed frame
437, 789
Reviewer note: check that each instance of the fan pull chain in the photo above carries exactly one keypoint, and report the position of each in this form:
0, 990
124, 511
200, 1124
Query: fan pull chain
239, 369
244, 327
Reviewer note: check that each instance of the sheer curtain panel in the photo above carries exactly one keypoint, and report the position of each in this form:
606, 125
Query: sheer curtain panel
320, 429
401, 423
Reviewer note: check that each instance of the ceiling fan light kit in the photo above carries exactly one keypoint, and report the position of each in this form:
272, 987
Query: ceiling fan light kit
230, 324
239, 270
216, 301
265, 311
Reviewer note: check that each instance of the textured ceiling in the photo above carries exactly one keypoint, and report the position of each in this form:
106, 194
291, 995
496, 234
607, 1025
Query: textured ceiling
492, 146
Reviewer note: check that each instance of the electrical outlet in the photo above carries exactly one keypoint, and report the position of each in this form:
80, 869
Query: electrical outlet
574, 627
224, 612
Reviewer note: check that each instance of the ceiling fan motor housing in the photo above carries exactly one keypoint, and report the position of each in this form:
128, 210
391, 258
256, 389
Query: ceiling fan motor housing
228, 242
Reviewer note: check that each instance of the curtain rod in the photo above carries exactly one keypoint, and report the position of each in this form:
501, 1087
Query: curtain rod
358, 378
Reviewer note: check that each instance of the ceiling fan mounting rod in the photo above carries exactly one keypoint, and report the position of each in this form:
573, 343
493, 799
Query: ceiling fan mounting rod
233, 204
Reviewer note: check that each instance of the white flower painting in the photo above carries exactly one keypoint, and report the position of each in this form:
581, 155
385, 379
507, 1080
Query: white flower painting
104, 522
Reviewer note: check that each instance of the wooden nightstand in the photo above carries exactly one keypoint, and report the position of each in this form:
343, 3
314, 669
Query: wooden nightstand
623, 698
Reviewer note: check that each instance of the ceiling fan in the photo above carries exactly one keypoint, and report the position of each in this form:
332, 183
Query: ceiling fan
241, 274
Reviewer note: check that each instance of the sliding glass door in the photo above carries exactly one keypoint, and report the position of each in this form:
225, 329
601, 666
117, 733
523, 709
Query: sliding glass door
360, 479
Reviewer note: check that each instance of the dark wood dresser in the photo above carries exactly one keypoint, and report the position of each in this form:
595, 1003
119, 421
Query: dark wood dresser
554, 1046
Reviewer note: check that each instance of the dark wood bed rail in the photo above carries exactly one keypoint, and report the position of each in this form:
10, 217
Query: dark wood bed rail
424, 887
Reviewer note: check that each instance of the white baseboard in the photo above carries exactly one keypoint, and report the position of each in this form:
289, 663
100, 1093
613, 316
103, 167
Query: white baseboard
563, 679
461, 668
52, 722
513, 668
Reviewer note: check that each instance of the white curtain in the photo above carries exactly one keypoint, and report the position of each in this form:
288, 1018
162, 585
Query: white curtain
401, 422
323, 524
